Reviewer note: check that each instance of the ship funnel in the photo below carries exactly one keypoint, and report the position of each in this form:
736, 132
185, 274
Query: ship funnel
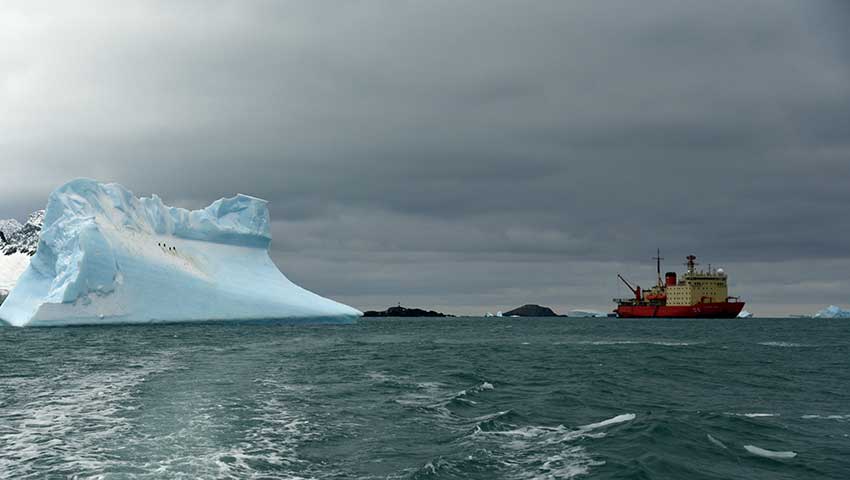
670, 279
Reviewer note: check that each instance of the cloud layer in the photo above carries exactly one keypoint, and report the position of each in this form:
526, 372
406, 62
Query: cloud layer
468, 156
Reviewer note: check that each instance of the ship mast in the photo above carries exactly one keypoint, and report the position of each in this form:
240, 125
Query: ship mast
658, 259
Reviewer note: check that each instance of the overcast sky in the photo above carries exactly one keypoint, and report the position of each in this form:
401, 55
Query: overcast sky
467, 156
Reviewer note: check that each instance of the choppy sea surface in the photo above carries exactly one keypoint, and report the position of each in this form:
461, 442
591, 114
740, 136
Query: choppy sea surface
430, 399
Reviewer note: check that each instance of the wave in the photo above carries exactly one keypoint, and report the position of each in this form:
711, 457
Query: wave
752, 415
761, 452
540, 452
716, 442
626, 417
432, 396
784, 344
67, 418
271, 444
664, 343
559, 433
825, 417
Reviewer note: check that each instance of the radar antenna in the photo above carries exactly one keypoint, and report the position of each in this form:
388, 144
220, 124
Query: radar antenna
691, 264
658, 259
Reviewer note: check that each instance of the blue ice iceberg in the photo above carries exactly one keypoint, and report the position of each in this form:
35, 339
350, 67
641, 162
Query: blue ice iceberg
106, 256
832, 312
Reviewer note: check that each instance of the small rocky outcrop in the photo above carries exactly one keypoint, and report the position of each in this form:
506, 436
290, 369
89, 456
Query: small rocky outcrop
400, 311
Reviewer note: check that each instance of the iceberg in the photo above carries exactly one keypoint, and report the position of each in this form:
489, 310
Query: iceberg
107, 257
832, 312
745, 314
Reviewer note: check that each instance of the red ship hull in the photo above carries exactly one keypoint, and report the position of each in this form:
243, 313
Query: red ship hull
700, 310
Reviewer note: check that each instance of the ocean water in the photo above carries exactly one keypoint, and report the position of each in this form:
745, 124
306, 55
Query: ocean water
430, 399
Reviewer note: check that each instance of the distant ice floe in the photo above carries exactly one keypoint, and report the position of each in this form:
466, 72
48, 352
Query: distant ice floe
832, 311
761, 452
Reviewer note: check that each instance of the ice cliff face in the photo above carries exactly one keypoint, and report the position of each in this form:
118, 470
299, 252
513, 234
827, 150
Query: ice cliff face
105, 256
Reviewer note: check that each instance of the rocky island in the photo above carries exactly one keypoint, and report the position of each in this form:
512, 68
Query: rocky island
399, 311
531, 310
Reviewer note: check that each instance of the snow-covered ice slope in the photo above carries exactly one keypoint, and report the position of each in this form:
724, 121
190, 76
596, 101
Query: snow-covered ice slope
105, 256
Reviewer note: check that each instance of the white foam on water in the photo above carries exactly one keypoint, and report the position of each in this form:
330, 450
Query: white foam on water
272, 442
825, 417
264, 444
98, 425
540, 452
752, 415
570, 463
761, 452
70, 417
626, 417
783, 344
663, 343
430, 385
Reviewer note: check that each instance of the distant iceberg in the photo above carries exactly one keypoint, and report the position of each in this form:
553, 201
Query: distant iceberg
832, 312
745, 314
586, 313
105, 256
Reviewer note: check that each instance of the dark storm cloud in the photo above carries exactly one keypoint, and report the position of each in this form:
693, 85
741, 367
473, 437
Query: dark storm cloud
464, 154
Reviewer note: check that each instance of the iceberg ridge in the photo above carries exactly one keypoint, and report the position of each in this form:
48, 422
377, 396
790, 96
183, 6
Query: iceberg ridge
105, 256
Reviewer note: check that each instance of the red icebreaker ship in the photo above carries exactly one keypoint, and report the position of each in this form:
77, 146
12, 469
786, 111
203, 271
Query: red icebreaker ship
698, 294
